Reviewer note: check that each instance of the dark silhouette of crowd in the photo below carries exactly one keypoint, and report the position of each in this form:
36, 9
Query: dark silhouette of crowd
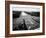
21, 26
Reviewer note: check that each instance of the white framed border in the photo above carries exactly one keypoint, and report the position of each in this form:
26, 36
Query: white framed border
25, 31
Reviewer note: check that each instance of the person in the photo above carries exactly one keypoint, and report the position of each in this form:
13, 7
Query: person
22, 26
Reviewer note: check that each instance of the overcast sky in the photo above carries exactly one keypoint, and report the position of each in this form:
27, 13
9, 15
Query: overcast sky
26, 9
29, 8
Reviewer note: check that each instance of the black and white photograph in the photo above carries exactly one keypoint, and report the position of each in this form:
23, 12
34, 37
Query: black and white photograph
25, 18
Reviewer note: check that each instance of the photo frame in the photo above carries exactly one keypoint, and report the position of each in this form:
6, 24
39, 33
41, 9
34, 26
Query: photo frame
24, 18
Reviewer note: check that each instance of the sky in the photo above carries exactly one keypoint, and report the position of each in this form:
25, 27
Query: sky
29, 8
